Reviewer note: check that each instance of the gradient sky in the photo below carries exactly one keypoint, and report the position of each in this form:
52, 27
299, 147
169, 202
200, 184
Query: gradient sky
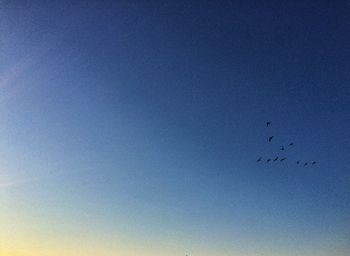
132, 128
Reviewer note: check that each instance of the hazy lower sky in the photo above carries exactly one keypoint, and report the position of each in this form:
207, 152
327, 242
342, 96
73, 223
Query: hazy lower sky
132, 128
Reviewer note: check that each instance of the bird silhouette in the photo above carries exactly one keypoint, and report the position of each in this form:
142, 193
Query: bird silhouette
282, 148
282, 159
268, 160
268, 123
314, 162
259, 159
275, 159
270, 138
306, 164
291, 144
298, 162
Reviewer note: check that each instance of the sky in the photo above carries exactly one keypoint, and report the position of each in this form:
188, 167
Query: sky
133, 127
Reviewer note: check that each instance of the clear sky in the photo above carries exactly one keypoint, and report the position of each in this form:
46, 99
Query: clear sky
133, 128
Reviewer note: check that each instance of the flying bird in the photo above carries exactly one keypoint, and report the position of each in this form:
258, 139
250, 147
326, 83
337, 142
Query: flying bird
298, 162
314, 162
282, 148
306, 164
291, 144
268, 160
268, 123
259, 159
282, 159
275, 159
270, 138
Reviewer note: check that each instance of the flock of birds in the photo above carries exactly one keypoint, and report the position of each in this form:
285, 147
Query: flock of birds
283, 148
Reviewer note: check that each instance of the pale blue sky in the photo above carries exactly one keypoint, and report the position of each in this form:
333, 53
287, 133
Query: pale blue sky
145, 119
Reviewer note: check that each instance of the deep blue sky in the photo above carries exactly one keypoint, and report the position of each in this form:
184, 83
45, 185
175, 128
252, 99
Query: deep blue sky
146, 118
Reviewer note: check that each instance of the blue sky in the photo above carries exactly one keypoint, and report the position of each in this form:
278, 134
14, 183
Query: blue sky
134, 128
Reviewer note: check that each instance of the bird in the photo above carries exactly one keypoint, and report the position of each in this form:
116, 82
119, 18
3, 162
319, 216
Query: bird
259, 159
275, 159
282, 159
268, 160
298, 162
291, 144
314, 162
268, 123
306, 164
282, 148
270, 138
